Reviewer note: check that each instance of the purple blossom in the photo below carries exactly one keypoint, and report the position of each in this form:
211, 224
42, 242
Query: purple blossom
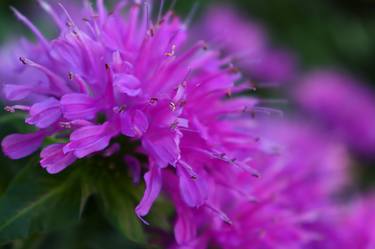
147, 84
249, 44
350, 225
343, 105
300, 172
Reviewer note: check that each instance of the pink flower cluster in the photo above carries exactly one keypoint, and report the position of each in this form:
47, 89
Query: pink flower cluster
110, 75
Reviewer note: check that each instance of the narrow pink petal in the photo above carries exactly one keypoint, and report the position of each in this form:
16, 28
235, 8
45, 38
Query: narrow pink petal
16, 92
78, 106
45, 113
153, 186
54, 160
17, 146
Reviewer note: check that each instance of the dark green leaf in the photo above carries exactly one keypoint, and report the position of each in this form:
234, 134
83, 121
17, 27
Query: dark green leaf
118, 198
37, 202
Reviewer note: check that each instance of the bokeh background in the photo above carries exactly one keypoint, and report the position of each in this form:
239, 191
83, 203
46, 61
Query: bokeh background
321, 33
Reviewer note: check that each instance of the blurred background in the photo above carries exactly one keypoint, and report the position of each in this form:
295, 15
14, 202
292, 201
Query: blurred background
321, 32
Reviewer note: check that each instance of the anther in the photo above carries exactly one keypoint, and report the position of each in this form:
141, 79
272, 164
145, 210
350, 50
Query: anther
23, 60
9, 109
151, 32
66, 125
172, 106
174, 125
13, 109
172, 52
153, 101
70, 76
234, 70
119, 109
205, 46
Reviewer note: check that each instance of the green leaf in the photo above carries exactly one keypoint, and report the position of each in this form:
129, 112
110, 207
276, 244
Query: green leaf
37, 202
118, 197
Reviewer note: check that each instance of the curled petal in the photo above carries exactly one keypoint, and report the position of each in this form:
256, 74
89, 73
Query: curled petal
153, 186
17, 146
134, 123
163, 147
128, 84
44, 113
54, 160
89, 139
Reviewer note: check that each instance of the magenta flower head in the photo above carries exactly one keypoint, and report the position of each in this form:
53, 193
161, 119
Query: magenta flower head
300, 171
248, 43
108, 75
350, 225
345, 106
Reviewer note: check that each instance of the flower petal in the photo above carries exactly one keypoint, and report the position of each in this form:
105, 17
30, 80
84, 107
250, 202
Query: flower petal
44, 113
54, 160
153, 186
17, 146
134, 123
128, 84
89, 139
79, 106
16, 92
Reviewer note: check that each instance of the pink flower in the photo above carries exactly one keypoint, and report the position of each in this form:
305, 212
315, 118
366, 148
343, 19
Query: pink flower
349, 225
300, 171
248, 43
108, 75
343, 105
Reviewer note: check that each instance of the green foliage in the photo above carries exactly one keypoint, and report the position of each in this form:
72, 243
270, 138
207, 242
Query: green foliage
36, 203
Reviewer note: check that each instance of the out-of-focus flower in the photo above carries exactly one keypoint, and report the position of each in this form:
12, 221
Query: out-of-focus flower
343, 105
248, 44
108, 75
300, 173
351, 225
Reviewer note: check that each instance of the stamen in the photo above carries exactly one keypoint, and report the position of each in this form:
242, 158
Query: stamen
32, 27
69, 23
191, 14
160, 10
189, 169
153, 101
65, 125
70, 76
74, 123
172, 52
47, 8
13, 108
53, 77
220, 214
172, 106
119, 109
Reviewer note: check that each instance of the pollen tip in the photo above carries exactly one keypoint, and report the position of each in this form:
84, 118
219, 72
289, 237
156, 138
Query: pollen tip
23, 60
10, 109
172, 106
153, 101
70, 76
